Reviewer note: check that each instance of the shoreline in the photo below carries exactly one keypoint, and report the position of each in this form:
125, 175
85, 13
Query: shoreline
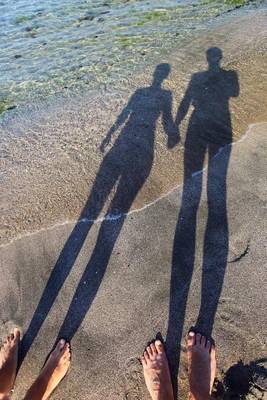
51, 154
137, 210
132, 302
107, 246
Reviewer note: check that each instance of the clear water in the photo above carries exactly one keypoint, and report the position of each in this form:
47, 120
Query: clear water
65, 45
70, 68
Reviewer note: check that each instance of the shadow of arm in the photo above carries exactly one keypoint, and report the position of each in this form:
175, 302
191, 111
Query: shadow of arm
168, 123
236, 88
184, 105
120, 120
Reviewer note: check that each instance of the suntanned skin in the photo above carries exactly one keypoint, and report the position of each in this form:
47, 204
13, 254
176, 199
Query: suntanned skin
51, 375
53, 372
201, 366
8, 363
201, 369
156, 372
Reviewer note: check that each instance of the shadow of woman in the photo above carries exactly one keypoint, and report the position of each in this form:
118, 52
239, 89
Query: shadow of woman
208, 131
127, 164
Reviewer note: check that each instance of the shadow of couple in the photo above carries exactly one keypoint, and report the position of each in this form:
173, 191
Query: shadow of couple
127, 164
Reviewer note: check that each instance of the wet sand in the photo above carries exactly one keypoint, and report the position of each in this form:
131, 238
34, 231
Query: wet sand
51, 151
132, 303
51, 158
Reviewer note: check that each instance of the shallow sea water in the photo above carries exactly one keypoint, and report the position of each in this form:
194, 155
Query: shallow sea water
69, 92
68, 45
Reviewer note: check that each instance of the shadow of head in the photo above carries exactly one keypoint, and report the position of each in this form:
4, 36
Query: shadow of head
214, 56
161, 72
240, 378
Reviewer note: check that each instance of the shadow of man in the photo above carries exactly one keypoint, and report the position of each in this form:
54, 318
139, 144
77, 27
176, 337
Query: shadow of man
127, 164
209, 130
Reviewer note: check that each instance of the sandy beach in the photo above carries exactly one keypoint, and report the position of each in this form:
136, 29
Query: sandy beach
133, 300
55, 145
111, 245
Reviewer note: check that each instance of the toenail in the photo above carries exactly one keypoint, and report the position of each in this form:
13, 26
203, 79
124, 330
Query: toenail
192, 334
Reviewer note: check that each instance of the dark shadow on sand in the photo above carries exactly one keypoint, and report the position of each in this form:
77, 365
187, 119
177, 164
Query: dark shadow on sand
127, 164
208, 131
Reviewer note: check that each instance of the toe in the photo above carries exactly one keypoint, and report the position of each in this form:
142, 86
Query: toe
60, 345
198, 339
191, 339
203, 341
213, 352
208, 345
149, 351
66, 349
159, 346
153, 348
146, 356
17, 334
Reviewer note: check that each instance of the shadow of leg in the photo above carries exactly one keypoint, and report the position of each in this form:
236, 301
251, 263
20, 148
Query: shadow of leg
127, 190
182, 269
216, 242
103, 184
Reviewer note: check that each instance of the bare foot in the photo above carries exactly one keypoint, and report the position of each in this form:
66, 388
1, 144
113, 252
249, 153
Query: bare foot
53, 372
8, 363
156, 372
201, 366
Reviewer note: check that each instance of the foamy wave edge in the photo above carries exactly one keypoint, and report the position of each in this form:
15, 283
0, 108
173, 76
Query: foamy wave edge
116, 217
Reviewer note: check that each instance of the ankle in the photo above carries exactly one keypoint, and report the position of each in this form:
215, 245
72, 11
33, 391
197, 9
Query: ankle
38, 389
199, 397
165, 394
